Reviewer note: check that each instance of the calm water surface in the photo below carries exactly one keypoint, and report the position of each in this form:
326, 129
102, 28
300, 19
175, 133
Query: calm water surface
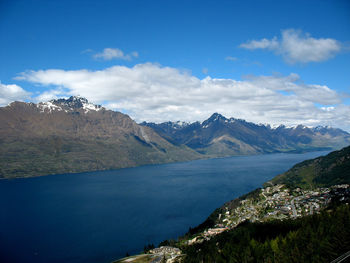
99, 216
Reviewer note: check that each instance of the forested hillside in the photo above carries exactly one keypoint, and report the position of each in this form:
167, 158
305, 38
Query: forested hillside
317, 238
323, 171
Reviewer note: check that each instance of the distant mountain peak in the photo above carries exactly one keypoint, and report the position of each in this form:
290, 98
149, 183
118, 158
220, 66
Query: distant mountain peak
70, 104
216, 116
213, 118
330, 130
180, 124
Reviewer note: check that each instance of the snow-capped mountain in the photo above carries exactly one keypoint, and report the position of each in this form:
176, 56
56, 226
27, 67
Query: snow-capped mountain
221, 136
74, 135
70, 104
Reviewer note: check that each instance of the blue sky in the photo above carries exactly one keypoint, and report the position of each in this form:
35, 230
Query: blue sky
265, 61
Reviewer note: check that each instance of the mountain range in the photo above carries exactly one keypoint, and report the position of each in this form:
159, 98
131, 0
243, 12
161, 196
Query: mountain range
219, 136
73, 135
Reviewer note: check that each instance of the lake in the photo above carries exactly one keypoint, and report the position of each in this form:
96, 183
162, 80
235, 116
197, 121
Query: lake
100, 216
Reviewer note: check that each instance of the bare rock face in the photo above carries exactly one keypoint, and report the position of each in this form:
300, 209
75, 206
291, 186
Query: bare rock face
73, 135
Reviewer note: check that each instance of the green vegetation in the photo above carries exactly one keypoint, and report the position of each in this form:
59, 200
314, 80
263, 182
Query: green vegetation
317, 238
300, 216
320, 172
312, 229
51, 155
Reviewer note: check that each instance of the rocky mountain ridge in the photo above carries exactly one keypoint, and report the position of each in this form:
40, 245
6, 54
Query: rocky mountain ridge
73, 135
221, 136
70, 104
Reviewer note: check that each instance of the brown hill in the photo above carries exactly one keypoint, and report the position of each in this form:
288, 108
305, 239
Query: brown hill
73, 135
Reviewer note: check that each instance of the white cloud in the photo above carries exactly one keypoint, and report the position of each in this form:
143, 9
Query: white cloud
262, 44
229, 58
154, 93
296, 47
115, 53
292, 85
12, 92
50, 95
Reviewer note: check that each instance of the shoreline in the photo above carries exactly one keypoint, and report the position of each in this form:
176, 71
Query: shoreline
167, 163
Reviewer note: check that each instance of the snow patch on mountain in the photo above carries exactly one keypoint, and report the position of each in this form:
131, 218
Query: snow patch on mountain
91, 107
48, 107
71, 104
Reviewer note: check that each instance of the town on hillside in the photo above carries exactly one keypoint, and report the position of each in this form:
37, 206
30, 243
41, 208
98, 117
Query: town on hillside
273, 202
269, 203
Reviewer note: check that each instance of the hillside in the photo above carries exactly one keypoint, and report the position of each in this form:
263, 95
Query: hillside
281, 221
73, 135
319, 172
219, 136
278, 223
306, 183
319, 238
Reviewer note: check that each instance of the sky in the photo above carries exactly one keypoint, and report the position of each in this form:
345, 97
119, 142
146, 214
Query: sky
272, 62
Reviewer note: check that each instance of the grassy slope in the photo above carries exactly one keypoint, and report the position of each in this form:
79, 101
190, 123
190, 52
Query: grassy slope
53, 155
322, 171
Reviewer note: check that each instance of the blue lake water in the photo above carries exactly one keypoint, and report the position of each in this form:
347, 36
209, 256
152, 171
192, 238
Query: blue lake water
99, 216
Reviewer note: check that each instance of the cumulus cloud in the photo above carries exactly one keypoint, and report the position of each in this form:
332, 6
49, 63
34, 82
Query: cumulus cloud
155, 93
50, 95
292, 85
12, 92
115, 53
296, 47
